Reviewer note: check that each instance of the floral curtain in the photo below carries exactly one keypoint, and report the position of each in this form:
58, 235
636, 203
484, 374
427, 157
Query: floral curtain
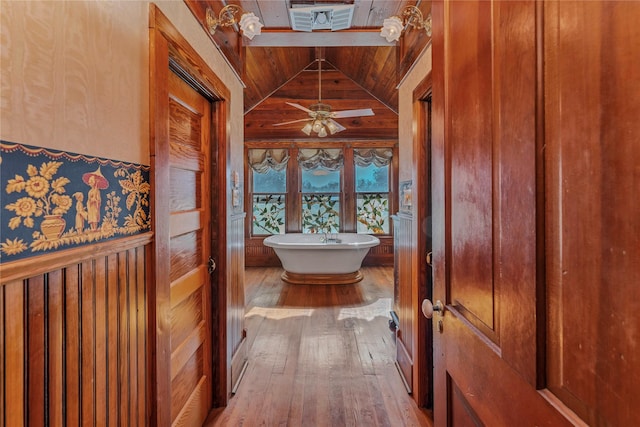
261, 160
378, 156
330, 159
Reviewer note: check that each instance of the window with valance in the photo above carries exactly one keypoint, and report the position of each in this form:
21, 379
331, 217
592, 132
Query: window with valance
318, 190
372, 189
269, 190
321, 171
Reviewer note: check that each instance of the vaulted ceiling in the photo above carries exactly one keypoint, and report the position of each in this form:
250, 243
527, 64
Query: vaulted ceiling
363, 69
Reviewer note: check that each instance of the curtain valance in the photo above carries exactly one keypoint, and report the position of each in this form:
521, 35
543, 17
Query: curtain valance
261, 160
377, 156
331, 159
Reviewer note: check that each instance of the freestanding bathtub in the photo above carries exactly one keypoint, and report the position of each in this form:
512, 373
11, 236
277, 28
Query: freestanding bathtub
320, 258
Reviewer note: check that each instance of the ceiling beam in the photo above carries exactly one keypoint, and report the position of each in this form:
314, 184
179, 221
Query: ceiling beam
285, 38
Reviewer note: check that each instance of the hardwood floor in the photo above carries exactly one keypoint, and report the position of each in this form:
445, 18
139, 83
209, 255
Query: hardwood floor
320, 356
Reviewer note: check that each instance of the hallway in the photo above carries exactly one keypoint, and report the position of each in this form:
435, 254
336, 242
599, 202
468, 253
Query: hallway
320, 356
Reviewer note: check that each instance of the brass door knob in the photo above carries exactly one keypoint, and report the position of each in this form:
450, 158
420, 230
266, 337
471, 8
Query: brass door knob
428, 308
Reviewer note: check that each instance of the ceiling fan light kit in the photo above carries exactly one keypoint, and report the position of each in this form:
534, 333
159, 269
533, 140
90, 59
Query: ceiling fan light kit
321, 118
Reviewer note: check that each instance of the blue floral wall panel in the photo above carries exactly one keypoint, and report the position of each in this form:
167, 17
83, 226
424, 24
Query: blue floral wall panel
54, 200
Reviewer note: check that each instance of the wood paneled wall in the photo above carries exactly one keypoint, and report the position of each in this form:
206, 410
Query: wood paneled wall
73, 334
403, 298
236, 301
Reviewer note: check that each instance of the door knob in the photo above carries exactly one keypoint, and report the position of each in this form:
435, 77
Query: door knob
211, 266
428, 308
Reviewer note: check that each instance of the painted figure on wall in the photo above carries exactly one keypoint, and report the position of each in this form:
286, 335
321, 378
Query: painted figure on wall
47, 206
97, 182
81, 212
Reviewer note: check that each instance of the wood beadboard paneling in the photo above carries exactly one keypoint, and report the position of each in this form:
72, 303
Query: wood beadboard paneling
404, 297
258, 255
74, 341
236, 300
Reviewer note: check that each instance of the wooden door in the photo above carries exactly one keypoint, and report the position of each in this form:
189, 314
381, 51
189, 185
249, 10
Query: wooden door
536, 226
189, 249
423, 393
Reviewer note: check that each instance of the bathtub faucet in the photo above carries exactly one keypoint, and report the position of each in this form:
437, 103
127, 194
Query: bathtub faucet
330, 237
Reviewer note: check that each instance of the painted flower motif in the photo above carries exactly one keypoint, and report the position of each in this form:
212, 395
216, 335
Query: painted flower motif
46, 194
37, 187
63, 203
24, 206
12, 247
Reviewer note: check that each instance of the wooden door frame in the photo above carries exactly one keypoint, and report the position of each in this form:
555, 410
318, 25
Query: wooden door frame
167, 45
423, 377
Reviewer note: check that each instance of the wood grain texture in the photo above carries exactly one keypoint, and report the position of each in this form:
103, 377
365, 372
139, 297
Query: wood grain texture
472, 183
405, 330
166, 42
322, 279
320, 355
377, 69
560, 226
13, 331
71, 350
190, 116
2, 360
422, 100
592, 217
236, 300
18, 269
338, 91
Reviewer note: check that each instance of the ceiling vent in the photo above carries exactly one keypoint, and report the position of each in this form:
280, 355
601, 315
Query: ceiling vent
324, 17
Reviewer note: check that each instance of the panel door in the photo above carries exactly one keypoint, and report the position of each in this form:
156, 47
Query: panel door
592, 239
190, 249
536, 230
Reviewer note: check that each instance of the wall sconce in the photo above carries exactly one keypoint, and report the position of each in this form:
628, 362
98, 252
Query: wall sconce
411, 16
249, 23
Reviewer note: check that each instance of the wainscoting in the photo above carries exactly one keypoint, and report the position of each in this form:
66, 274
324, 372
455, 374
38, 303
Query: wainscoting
404, 299
73, 335
236, 302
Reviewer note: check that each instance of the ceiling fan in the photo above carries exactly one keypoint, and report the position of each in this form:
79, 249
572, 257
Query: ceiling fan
321, 118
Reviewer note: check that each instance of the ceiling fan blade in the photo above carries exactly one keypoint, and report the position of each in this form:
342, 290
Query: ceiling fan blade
292, 121
352, 113
339, 127
299, 106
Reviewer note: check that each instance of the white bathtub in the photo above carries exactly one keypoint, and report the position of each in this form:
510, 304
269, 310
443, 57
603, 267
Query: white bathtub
308, 259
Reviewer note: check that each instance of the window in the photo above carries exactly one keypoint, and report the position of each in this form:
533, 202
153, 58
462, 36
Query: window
372, 190
321, 173
320, 201
269, 195
319, 191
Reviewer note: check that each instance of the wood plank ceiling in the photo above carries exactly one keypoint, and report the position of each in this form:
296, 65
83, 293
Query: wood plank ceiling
362, 68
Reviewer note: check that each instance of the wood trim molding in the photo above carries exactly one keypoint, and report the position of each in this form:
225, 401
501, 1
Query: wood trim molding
167, 44
321, 279
30, 267
423, 333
